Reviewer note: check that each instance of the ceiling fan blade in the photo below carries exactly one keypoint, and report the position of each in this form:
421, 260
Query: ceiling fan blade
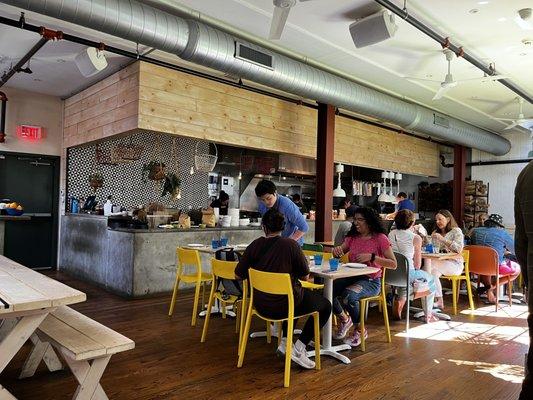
441, 92
515, 123
279, 18
414, 78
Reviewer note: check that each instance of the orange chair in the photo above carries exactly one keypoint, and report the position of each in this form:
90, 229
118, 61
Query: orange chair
483, 260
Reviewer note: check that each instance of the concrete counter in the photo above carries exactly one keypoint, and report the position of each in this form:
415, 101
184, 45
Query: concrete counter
133, 262
137, 262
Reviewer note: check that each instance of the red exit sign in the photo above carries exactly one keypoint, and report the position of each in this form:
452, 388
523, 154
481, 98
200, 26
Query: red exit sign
30, 132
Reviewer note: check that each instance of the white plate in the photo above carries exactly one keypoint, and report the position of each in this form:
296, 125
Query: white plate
240, 246
355, 265
196, 245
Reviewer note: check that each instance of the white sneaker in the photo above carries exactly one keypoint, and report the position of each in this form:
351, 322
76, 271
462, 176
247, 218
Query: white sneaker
274, 330
282, 348
299, 356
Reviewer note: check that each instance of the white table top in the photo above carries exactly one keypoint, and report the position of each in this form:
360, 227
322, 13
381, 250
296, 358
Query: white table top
210, 250
440, 256
23, 289
343, 272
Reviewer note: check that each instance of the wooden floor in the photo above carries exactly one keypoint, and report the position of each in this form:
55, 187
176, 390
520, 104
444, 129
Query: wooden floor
472, 357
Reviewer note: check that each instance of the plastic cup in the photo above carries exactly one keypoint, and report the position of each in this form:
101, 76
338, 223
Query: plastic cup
223, 242
333, 264
429, 248
215, 244
318, 259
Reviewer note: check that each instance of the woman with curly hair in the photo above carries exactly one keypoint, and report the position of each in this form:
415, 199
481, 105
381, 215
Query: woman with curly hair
366, 243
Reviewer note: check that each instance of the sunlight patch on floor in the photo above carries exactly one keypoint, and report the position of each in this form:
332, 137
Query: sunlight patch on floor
475, 333
506, 372
518, 311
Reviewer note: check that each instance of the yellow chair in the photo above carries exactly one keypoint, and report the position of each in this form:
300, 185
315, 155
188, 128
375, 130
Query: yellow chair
311, 253
456, 280
278, 284
190, 258
363, 304
225, 270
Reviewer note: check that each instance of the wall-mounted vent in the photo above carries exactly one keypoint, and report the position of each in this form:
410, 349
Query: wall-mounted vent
441, 121
246, 53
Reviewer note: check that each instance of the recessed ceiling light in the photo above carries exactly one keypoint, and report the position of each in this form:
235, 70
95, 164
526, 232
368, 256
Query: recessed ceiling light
502, 19
473, 11
482, 3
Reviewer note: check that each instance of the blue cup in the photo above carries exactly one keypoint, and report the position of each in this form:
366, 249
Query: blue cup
215, 244
318, 259
333, 264
223, 242
429, 248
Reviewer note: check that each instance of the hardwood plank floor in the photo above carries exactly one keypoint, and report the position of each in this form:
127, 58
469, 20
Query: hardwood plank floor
472, 357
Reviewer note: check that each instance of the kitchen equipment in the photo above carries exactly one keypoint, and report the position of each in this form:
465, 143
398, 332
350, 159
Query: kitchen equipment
234, 214
225, 221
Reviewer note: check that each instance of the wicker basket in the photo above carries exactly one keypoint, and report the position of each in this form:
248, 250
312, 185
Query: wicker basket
205, 162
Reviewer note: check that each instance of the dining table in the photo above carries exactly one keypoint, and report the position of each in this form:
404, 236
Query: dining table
344, 271
206, 249
26, 298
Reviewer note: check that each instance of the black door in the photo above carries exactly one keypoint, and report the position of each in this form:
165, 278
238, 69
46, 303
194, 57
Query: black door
33, 181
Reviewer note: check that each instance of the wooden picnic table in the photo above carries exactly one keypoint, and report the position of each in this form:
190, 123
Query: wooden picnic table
26, 298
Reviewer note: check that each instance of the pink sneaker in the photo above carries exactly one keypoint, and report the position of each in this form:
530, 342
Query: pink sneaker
343, 328
355, 340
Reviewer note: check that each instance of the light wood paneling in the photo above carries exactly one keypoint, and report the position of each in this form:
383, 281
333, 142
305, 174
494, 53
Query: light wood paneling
105, 109
150, 97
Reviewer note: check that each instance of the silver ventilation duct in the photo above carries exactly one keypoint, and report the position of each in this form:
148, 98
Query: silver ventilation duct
210, 47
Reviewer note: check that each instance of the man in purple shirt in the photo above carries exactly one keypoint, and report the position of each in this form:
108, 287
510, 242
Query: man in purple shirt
295, 224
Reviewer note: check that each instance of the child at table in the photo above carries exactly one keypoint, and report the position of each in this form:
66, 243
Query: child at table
366, 243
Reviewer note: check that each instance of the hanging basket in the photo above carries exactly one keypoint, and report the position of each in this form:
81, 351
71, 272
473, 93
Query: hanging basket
205, 162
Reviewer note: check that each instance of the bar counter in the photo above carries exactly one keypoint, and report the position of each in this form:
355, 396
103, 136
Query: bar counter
137, 262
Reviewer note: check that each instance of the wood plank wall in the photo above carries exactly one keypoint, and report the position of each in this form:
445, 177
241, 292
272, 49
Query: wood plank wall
107, 108
178, 103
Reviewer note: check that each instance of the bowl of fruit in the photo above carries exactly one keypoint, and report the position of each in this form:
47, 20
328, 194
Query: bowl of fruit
14, 209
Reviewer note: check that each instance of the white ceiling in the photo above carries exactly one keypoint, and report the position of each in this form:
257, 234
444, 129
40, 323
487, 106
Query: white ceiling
319, 30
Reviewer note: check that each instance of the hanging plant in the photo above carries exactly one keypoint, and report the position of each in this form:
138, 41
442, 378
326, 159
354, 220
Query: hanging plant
172, 185
154, 171
96, 180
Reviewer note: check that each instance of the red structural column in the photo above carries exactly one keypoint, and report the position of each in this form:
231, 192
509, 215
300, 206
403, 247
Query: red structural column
459, 177
324, 172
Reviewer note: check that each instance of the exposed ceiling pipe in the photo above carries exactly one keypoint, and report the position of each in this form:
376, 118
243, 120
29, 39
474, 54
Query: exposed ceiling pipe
3, 99
459, 51
202, 44
46, 35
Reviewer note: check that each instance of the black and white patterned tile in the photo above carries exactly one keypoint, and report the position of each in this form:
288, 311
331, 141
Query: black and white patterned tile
124, 181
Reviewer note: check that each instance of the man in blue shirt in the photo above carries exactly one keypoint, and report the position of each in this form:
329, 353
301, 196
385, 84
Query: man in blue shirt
403, 204
295, 224
493, 234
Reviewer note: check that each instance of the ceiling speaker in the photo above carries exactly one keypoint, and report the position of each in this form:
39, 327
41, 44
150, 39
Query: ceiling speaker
373, 29
90, 61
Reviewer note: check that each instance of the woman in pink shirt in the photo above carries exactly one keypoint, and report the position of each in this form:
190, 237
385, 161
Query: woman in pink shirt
366, 243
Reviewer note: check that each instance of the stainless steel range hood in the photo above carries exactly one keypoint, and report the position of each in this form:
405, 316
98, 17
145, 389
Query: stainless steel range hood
296, 165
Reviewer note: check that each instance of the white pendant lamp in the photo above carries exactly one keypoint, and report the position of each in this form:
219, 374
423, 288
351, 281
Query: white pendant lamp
339, 192
384, 197
398, 176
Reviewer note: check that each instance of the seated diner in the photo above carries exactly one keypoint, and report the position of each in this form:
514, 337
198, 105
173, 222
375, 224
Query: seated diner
365, 243
274, 253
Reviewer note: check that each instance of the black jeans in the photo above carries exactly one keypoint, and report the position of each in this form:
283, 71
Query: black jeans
312, 300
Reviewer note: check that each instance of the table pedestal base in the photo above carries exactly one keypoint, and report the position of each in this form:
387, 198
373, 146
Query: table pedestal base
216, 309
333, 351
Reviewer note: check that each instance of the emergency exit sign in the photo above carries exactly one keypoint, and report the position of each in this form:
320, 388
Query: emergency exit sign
30, 132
